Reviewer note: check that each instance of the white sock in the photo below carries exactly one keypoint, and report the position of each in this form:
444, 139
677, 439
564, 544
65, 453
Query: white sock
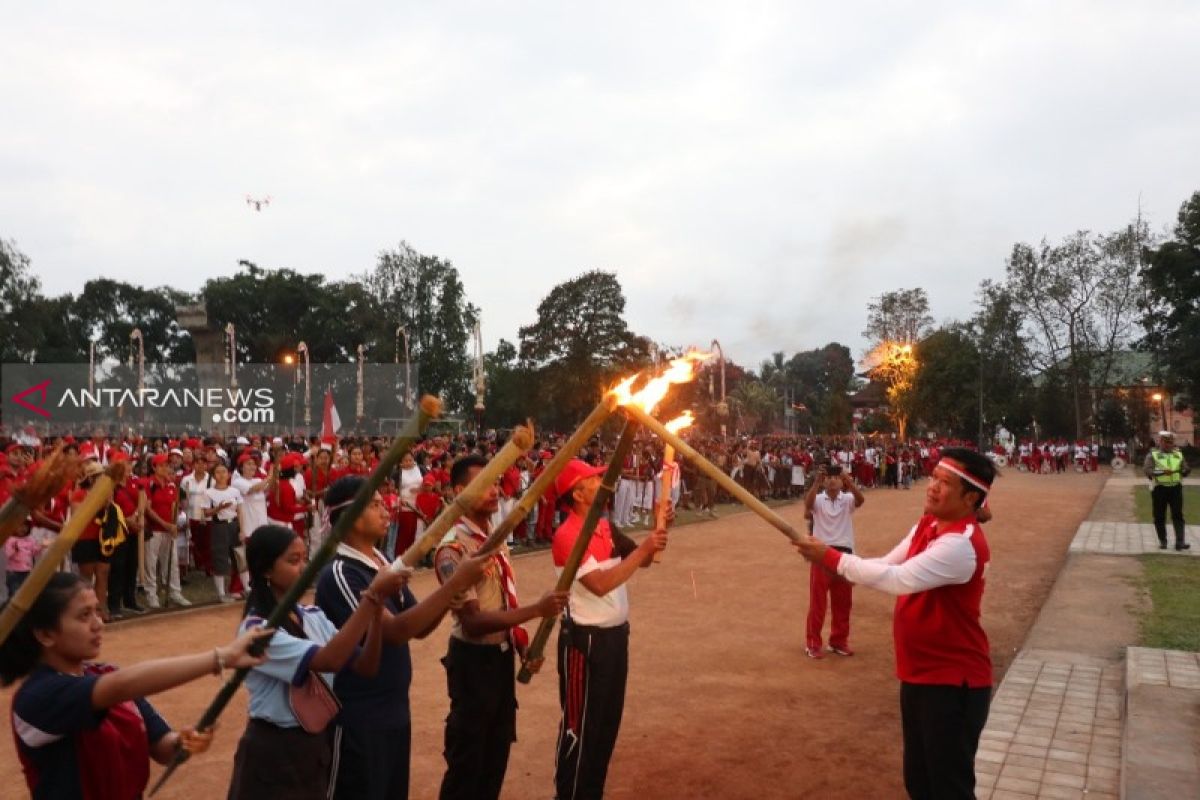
219, 582
245, 576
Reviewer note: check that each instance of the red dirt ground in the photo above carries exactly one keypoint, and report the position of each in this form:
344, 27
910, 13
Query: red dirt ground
722, 702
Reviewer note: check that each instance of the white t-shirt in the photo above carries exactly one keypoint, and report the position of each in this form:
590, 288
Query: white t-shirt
217, 496
831, 519
194, 489
254, 504
410, 484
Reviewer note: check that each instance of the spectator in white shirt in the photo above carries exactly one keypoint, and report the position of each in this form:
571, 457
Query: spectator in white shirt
830, 503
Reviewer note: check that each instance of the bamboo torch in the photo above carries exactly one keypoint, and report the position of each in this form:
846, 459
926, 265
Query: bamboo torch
544, 481
608, 486
668, 473
55, 471
468, 498
430, 407
95, 500
714, 472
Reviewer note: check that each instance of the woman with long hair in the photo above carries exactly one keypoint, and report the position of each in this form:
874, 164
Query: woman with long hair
284, 752
85, 729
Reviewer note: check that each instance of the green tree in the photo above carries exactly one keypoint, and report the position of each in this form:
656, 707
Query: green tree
109, 310
899, 316
21, 323
425, 294
947, 375
509, 385
1004, 380
755, 406
579, 344
1171, 306
1079, 299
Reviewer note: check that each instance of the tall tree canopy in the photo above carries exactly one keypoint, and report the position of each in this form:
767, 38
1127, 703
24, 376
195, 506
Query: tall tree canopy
579, 344
1171, 307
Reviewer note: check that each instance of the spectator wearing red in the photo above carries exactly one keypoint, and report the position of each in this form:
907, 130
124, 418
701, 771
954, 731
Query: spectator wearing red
283, 506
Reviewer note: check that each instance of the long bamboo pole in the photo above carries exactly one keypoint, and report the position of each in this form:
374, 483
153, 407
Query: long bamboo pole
543, 482
713, 471
608, 485
430, 408
47, 480
517, 445
664, 501
19, 605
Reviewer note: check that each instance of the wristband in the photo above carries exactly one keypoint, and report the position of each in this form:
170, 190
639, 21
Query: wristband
218, 663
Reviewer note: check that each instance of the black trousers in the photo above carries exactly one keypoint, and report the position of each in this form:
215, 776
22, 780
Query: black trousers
941, 734
370, 764
592, 667
122, 576
482, 724
1162, 498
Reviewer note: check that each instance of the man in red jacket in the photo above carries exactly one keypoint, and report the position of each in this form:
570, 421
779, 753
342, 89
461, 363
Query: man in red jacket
942, 659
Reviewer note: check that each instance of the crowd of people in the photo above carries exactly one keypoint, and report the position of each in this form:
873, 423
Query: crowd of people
330, 695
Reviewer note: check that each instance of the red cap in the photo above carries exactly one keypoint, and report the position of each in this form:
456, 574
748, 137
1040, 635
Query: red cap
429, 480
161, 458
192, 443
88, 450
244, 457
68, 439
575, 471
118, 457
13, 446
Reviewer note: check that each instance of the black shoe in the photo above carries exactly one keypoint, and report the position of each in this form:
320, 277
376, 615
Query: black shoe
1162, 544
1182, 546
135, 609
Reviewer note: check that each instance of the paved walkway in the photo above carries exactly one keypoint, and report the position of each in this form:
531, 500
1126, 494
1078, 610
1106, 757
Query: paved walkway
1129, 538
1054, 730
1057, 723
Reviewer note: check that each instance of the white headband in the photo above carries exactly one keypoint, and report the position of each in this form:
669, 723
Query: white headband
952, 466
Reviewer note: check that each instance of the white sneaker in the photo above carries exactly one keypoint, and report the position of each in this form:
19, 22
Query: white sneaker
180, 600
225, 598
152, 601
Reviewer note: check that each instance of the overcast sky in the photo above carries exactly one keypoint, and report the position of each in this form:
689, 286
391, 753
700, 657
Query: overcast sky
753, 172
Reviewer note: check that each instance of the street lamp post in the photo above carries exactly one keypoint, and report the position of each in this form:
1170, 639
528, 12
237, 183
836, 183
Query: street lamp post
290, 360
1159, 398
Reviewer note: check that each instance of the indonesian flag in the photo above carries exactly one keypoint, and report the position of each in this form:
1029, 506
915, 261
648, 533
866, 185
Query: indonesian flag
331, 423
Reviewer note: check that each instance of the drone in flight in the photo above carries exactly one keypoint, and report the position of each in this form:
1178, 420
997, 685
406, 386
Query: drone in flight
258, 202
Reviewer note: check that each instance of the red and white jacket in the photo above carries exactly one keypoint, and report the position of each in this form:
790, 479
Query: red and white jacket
938, 579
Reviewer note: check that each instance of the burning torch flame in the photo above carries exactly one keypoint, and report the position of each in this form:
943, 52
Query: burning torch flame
681, 370
684, 420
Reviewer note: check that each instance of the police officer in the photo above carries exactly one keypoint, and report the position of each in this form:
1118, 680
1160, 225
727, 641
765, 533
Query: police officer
1166, 469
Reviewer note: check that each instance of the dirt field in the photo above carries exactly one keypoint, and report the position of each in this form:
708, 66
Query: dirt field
722, 702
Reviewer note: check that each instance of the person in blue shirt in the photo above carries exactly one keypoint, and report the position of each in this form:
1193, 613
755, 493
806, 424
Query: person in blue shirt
84, 729
278, 755
374, 728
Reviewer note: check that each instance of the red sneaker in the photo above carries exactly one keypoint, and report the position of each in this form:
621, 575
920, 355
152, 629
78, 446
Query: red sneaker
814, 652
844, 650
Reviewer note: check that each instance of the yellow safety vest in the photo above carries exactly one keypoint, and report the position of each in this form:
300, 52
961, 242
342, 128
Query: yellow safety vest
1171, 463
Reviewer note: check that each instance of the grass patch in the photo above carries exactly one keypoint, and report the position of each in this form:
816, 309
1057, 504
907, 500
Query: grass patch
1144, 512
1173, 621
